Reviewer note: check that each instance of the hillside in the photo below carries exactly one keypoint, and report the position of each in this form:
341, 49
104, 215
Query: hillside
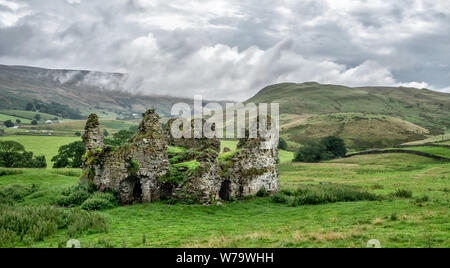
365, 117
84, 90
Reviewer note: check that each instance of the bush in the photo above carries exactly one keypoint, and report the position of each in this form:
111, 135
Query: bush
8, 123
402, 193
262, 192
29, 224
322, 194
282, 144
326, 149
86, 198
312, 153
96, 204
74, 196
334, 145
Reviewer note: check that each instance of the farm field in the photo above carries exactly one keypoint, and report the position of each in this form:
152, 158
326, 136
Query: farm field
42, 145
258, 222
439, 151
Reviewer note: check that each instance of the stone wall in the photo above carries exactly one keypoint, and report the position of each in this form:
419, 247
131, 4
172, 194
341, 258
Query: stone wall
139, 171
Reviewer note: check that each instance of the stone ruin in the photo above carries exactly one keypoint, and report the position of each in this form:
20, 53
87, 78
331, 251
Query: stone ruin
154, 166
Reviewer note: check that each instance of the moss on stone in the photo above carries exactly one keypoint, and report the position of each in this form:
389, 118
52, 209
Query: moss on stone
134, 167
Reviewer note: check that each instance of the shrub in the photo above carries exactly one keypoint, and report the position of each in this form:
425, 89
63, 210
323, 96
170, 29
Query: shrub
282, 144
96, 204
327, 148
262, 192
402, 193
322, 194
334, 145
312, 153
74, 196
86, 198
8, 123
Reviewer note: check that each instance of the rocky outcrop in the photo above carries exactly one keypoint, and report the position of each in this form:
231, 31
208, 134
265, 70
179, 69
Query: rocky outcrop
141, 170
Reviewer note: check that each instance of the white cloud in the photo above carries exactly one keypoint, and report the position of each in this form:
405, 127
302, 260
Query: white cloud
231, 49
74, 2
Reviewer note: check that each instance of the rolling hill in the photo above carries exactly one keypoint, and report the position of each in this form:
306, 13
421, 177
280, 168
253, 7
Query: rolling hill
84, 90
365, 117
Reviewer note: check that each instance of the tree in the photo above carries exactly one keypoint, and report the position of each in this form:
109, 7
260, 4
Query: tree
18, 121
335, 145
326, 149
8, 123
13, 155
37, 117
119, 138
282, 144
34, 122
312, 152
29, 107
78, 134
69, 156
105, 133
10, 153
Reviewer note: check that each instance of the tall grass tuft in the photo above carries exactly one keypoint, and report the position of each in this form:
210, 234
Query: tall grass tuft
402, 193
15, 193
25, 225
322, 194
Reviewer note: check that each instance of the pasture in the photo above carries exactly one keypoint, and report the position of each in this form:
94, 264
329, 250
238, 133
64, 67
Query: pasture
42, 145
258, 222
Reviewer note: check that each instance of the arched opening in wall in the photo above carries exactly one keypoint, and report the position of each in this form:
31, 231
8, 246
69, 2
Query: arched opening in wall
137, 192
225, 190
167, 190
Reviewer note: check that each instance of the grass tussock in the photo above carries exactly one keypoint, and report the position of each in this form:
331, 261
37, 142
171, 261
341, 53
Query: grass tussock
15, 193
402, 193
86, 198
26, 225
8, 172
323, 194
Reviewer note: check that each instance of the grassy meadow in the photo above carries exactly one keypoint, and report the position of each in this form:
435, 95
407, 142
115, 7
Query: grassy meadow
42, 145
420, 220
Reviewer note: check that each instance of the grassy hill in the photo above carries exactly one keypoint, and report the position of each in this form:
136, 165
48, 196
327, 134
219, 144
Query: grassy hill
84, 90
365, 117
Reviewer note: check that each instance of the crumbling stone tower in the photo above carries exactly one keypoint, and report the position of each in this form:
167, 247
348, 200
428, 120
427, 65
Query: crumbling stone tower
143, 170
132, 170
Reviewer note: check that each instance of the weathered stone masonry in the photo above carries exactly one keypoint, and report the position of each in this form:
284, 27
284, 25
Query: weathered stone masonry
143, 170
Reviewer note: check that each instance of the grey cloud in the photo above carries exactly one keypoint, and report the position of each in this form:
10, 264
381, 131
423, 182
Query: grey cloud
231, 49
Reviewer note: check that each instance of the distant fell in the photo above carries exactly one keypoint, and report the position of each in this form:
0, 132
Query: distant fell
425, 108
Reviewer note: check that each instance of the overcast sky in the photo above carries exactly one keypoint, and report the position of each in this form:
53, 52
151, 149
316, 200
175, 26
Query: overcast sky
231, 49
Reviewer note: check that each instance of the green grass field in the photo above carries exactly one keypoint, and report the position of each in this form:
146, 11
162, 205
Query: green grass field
260, 223
28, 114
439, 151
42, 145
5, 117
